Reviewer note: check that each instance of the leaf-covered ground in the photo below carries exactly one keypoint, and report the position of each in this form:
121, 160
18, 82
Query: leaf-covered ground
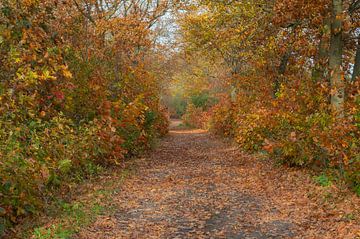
196, 186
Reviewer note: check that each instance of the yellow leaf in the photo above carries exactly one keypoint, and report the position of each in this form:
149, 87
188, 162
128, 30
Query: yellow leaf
67, 73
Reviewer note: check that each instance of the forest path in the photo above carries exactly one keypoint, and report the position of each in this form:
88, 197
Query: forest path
196, 186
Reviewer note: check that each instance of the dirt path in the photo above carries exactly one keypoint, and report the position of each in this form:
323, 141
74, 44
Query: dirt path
196, 186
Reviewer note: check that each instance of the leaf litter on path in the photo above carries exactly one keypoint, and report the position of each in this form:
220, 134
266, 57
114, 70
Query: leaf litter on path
196, 186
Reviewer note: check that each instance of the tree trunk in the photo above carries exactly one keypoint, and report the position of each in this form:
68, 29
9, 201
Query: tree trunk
318, 72
335, 60
281, 71
356, 72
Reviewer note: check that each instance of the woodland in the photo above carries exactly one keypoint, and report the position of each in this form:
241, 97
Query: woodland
88, 85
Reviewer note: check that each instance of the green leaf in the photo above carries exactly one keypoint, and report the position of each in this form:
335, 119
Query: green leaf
65, 165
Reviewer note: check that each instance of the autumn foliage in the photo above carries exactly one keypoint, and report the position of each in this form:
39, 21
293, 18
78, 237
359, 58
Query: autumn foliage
291, 84
82, 81
77, 93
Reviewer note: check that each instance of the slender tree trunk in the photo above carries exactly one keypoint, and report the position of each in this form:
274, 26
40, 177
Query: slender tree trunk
281, 71
335, 60
356, 72
318, 72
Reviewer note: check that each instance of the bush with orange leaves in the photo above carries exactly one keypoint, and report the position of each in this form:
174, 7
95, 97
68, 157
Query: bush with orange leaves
293, 133
67, 106
196, 117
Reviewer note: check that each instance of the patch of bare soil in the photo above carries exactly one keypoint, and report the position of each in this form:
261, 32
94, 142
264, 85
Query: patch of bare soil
196, 186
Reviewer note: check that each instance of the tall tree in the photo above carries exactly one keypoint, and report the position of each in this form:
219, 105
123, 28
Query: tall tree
335, 59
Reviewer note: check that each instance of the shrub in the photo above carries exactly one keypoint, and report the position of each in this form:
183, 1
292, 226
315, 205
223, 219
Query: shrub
196, 117
223, 119
296, 138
